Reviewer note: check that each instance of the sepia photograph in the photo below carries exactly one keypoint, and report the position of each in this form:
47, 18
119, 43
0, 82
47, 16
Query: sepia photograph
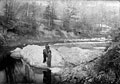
59, 42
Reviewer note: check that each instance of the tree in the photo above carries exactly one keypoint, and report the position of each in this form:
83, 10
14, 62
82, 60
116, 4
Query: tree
68, 15
7, 21
19, 18
50, 16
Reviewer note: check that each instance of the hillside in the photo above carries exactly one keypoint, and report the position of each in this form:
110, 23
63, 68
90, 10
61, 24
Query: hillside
42, 20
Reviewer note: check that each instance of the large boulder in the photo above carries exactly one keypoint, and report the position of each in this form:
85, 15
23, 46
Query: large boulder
77, 55
33, 54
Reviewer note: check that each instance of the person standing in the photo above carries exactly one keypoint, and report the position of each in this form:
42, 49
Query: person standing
47, 55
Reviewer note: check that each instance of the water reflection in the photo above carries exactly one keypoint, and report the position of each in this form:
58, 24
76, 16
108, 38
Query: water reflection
47, 76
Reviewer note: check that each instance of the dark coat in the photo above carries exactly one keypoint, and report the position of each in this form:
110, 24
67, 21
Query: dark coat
47, 54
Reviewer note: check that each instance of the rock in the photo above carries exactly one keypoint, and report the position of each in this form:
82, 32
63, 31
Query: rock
77, 55
55, 70
16, 53
33, 54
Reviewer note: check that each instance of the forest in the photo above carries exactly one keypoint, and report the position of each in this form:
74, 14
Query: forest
62, 19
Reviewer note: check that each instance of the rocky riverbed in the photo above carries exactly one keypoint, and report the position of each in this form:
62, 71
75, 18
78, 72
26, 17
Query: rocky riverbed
70, 63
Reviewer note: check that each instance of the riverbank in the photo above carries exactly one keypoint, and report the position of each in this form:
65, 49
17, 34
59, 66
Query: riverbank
70, 58
24, 41
71, 54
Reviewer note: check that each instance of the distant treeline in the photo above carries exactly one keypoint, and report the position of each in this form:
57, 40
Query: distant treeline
62, 18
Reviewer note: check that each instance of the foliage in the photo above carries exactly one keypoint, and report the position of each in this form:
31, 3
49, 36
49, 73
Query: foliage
109, 63
50, 16
8, 20
68, 14
17, 19
27, 22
